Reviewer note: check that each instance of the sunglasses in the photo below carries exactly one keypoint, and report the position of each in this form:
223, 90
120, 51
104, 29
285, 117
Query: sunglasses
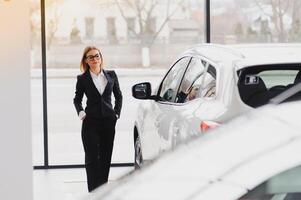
91, 58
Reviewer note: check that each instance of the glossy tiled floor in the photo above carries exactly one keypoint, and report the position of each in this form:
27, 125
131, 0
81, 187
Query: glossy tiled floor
67, 184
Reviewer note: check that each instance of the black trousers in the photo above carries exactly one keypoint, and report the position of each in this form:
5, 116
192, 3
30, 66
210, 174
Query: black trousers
98, 139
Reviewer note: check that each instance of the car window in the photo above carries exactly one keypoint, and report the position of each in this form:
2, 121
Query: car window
278, 77
191, 81
258, 84
169, 85
283, 186
209, 83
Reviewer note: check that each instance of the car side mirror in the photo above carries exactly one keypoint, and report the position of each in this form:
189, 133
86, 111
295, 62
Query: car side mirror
142, 91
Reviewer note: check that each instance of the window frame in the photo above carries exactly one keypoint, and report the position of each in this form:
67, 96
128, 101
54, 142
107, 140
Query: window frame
214, 75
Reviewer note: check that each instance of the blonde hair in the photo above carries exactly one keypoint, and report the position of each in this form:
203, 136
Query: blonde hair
83, 64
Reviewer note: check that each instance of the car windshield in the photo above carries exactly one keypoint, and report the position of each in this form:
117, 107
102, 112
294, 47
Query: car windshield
258, 84
283, 186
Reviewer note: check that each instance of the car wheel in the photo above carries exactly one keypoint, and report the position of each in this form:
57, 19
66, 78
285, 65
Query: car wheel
138, 154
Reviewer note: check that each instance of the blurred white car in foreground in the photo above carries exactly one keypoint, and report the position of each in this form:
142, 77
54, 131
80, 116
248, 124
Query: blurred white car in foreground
254, 157
208, 85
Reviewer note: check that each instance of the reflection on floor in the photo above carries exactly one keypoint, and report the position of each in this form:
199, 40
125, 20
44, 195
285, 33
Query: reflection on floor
67, 184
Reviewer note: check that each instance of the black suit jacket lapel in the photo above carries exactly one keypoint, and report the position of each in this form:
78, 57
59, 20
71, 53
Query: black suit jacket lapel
109, 79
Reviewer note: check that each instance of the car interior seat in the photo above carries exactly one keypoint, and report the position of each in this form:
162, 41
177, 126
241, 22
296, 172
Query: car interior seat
297, 78
296, 96
276, 90
253, 94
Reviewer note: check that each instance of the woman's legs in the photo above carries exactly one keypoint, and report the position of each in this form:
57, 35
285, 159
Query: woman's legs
90, 140
106, 148
98, 139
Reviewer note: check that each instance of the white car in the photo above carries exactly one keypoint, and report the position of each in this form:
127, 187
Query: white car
206, 86
253, 157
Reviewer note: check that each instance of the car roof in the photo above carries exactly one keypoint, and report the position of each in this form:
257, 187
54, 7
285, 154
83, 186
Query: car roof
229, 160
244, 55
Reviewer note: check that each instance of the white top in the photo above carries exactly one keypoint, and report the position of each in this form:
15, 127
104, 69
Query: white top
100, 81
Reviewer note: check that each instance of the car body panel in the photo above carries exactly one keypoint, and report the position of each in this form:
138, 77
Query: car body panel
261, 165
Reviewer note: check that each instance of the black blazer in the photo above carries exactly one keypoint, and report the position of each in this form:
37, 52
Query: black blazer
98, 106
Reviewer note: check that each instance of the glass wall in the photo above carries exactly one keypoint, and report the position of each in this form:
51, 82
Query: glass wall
139, 40
259, 21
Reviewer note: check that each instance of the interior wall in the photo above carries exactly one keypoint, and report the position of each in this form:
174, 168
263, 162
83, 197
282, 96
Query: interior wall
15, 135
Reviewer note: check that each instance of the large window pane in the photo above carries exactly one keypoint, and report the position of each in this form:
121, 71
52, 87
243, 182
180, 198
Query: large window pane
139, 39
259, 21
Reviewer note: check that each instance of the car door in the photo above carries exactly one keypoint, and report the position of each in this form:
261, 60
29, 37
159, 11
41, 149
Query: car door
202, 108
160, 113
188, 100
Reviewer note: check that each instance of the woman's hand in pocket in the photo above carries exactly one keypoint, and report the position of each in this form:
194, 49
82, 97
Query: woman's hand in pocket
82, 115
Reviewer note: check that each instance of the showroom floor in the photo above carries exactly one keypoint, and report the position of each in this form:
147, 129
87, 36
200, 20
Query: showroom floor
67, 184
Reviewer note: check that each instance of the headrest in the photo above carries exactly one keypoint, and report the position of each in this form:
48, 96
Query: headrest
250, 85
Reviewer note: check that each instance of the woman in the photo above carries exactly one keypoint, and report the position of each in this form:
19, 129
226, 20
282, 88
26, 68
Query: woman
99, 117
